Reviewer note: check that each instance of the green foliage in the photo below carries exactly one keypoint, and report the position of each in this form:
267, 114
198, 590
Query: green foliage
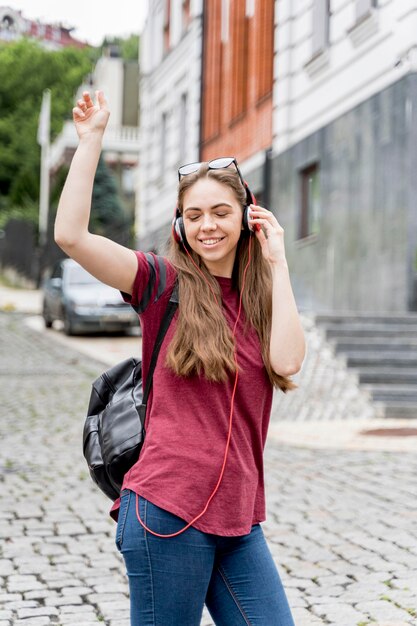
26, 69
28, 210
129, 48
107, 215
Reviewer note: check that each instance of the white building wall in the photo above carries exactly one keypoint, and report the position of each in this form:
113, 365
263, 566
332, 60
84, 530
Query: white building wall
163, 81
108, 76
362, 59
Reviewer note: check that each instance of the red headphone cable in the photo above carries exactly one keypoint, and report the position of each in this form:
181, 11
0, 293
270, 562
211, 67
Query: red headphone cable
231, 408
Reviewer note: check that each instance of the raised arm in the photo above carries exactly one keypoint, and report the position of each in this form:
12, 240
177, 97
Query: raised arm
110, 262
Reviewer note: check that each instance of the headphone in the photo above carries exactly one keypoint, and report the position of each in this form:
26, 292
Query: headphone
178, 228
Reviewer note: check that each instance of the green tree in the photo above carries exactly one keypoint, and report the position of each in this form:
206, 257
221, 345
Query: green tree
107, 215
26, 69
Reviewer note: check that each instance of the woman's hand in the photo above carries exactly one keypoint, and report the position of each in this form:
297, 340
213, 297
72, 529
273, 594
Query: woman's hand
90, 118
270, 235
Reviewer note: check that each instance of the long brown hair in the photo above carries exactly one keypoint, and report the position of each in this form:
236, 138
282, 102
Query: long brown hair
203, 342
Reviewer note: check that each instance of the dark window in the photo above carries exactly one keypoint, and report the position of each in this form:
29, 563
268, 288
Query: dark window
183, 127
167, 20
321, 25
310, 201
57, 271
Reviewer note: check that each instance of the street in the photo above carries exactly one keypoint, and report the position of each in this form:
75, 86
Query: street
341, 524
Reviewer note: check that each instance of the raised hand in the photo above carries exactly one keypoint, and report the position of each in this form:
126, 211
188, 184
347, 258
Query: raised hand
90, 117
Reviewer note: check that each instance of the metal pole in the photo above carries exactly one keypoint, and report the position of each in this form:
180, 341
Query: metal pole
44, 141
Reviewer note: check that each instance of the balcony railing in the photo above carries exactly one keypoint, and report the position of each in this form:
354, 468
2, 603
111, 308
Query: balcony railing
124, 139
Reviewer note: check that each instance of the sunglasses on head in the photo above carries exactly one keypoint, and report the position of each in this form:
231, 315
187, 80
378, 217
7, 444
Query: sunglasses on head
215, 164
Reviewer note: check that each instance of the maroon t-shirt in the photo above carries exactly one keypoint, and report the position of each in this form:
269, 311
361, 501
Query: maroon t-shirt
187, 420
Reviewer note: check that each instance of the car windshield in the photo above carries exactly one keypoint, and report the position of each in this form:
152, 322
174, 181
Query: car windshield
79, 276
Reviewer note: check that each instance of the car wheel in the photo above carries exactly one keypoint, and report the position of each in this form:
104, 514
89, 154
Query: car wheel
46, 318
68, 327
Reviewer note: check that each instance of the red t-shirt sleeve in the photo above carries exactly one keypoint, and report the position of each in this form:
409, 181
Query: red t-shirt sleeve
150, 281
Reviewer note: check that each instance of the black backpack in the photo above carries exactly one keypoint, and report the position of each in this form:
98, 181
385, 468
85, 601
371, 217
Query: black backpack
114, 429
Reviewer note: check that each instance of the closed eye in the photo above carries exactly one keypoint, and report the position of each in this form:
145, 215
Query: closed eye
193, 219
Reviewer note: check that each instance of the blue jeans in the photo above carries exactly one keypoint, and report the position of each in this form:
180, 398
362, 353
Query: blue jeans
171, 579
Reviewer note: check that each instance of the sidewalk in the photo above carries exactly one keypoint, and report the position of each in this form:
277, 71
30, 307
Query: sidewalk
21, 300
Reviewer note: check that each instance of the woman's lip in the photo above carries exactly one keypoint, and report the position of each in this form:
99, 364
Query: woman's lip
211, 245
211, 238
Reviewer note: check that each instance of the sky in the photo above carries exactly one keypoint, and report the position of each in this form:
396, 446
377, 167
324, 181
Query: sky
92, 19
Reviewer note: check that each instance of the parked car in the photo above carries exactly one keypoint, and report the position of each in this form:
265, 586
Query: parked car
84, 303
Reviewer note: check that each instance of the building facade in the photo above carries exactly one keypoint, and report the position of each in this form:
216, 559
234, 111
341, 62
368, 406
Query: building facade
238, 85
344, 151
170, 91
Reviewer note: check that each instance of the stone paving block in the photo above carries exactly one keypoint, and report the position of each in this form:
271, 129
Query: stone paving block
60, 601
20, 604
110, 588
76, 609
40, 594
391, 623
95, 598
36, 612
339, 612
382, 610
6, 567
33, 621
302, 617
76, 618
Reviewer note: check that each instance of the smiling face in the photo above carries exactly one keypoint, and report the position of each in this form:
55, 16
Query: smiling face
213, 223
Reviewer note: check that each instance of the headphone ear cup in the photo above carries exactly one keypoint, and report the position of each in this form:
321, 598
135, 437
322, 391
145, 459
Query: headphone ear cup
245, 221
178, 229
181, 230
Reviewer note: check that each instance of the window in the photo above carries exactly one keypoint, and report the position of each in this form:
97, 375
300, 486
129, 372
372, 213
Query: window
213, 71
321, 26
364, 7
239, 43
163, 145
167, 19
264, 48
186, 14
183, 128
310, 201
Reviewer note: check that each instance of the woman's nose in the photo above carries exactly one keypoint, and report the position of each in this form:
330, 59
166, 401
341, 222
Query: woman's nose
208, 222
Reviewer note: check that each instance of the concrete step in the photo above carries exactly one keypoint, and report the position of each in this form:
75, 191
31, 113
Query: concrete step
367, 332
382, 349
360, 344
387, 375
395, 359
400, 409
389, 392
365, 318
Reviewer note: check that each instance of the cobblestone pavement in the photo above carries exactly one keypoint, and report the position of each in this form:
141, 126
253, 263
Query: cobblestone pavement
342, 525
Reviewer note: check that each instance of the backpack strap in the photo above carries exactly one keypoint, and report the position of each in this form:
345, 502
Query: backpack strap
166, 320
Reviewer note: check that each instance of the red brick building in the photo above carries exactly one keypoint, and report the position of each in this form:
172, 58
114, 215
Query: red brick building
237, 80
13, 26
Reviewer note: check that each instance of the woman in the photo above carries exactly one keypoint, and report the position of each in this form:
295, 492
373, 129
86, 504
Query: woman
188, 519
